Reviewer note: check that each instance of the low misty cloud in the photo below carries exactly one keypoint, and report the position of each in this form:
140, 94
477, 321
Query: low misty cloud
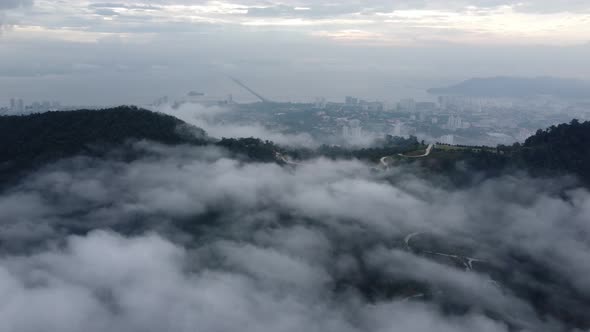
106, 282
187, 236
206, 118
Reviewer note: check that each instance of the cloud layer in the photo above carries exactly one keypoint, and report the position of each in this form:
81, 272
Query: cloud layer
207, 119
187, 237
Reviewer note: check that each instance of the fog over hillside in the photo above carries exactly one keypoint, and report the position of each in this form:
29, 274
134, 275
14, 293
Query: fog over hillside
282, 166
206, 118
187, 237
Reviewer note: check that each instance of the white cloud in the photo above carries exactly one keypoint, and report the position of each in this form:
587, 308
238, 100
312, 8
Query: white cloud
204, 240
504, 21
204, 117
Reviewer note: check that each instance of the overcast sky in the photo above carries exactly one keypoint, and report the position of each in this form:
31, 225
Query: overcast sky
103, 52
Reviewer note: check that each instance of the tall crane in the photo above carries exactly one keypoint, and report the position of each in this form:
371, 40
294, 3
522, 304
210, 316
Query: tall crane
238, 82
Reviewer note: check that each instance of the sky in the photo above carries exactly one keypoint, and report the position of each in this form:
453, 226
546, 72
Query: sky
110, 52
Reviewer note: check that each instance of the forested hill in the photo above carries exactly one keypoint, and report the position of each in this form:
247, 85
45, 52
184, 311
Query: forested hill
564, 148
558, 150
27, 142
32, 140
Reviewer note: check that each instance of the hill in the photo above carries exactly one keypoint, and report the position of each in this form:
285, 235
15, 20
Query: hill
516, 87
555, 151
32, 140
559, 149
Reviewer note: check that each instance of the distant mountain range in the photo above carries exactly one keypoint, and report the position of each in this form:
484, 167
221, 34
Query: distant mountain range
517, 87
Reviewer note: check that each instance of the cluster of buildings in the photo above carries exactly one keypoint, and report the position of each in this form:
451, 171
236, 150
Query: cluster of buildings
447, 119
18, 106
352, 129
373, 106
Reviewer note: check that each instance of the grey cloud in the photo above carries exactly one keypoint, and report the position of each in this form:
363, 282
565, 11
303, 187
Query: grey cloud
11, 4
205, 117
105, 12
370, 7
111, 5
262, 247
107, 282
272, 11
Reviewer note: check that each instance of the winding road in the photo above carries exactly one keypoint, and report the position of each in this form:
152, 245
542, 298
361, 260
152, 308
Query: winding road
408, 238
466, 261
426, 154
383, 160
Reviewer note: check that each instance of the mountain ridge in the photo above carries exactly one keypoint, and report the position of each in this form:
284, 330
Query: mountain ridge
518, 87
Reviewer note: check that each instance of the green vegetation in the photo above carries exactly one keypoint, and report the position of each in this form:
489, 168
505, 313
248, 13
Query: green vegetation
388, 147
558, 150
253, 148
563, 149
33, 140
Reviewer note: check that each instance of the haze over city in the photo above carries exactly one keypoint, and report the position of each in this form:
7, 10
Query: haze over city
96, 52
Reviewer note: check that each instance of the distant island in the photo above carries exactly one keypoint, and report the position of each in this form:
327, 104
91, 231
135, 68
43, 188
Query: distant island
518, 87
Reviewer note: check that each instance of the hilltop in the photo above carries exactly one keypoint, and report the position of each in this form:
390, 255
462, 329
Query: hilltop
32, 140
556, 151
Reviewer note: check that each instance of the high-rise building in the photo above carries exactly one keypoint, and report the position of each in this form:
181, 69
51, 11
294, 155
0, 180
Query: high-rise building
408, 105
351, 101
320, 103
425, 106
447, 139
36, 107
12, 104
355, 128
345, 131
454, 122
356, 132
397, 129
20, 106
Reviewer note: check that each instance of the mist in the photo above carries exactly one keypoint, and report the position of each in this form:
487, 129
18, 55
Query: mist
171, 47
188, 236
381, 168
206, 118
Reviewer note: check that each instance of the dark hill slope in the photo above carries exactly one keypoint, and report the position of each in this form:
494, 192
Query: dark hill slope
556, 151
564, 149
31, 140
